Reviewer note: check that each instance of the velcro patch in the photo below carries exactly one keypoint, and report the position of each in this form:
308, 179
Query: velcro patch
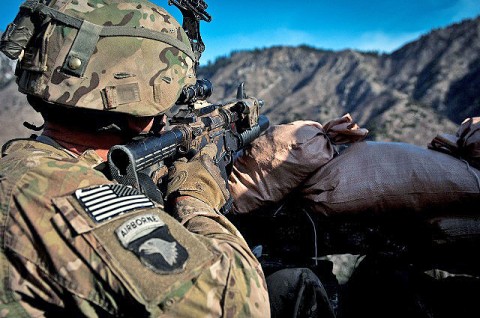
148, 237
115, 96
107, 201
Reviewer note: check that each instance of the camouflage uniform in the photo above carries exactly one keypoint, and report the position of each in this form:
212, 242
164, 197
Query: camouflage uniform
72, 241
57, 259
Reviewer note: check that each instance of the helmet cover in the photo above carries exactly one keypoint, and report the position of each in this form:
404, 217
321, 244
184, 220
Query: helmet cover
128, 57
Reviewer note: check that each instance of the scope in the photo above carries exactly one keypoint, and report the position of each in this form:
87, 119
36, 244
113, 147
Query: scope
201, 90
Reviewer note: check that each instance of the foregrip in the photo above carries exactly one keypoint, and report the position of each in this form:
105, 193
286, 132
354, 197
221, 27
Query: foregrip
251, 134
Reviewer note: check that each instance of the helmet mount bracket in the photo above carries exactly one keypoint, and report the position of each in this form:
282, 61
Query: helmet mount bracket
193, 11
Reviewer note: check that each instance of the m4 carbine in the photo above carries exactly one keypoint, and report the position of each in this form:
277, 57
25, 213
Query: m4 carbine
231, 126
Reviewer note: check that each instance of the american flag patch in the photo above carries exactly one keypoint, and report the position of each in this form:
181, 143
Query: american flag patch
107, 201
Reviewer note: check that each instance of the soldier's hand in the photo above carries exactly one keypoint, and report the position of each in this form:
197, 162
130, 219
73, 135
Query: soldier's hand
199, 178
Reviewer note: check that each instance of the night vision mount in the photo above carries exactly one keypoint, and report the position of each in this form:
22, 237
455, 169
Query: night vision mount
193, 11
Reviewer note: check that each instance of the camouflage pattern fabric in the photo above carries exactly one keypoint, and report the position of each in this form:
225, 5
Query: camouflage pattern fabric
56, 260
134, 56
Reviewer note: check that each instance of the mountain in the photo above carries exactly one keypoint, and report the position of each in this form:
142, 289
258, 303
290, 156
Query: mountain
14, 109
426, 87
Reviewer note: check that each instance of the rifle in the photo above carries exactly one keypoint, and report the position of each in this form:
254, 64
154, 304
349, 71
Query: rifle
231, 126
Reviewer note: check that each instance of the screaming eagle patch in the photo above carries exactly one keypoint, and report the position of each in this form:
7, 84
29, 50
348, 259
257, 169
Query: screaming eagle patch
148, 237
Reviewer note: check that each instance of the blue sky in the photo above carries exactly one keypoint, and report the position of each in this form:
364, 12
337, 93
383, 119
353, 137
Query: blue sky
382, 25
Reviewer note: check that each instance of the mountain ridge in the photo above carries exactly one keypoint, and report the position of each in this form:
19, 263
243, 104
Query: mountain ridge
425, 87
428, 85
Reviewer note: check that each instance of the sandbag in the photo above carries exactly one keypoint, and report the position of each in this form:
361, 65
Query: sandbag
284, 157
388, 177
464, 144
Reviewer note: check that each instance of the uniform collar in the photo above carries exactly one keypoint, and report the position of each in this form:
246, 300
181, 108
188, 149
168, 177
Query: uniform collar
89, 156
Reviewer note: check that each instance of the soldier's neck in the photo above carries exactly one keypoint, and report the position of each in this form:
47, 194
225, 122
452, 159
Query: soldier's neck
78, 141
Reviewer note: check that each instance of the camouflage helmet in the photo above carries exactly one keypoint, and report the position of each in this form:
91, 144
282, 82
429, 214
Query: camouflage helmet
127, 56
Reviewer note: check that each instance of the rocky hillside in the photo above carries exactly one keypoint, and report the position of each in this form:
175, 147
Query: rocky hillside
14, 109
427, 86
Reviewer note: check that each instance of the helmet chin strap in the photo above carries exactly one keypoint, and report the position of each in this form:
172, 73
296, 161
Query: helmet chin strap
159, 122
33, 127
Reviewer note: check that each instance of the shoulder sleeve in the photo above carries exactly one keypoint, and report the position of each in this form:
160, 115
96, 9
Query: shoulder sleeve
245, 282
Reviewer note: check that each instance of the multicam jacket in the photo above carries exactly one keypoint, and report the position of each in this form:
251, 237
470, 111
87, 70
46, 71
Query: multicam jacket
74, 243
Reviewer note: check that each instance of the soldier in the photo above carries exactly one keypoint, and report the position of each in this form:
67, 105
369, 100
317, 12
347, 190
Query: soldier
74, 242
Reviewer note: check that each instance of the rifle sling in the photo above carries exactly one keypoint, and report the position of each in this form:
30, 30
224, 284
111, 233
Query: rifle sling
149, 188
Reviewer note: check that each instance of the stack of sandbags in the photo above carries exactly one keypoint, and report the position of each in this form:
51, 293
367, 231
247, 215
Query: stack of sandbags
284, 157
367, 177
441, 187
385, 177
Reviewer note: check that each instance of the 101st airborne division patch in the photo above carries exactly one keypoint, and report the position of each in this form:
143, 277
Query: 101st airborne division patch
148, 237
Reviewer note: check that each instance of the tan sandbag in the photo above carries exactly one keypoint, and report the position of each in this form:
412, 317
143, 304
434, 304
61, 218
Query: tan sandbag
281, 159
388, 177
464, 144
